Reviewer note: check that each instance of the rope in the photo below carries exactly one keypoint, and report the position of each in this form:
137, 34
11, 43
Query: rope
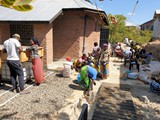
13, 97
6, 92
135, 7
17, 93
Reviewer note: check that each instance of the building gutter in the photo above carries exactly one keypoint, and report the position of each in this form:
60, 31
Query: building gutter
84, 33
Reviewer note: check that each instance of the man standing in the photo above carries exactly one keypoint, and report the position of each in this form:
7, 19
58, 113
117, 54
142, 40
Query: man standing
126, 41
12, 46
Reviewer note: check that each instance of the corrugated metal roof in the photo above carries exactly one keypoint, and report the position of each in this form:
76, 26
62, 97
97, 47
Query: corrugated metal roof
43, 10
156, 13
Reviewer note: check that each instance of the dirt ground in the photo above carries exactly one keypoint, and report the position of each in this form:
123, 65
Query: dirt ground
147, 103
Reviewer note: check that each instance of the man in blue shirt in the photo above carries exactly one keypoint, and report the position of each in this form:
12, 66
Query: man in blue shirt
92, 74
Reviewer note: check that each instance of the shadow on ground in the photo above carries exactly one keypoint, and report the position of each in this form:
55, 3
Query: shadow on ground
114, 102
75, 87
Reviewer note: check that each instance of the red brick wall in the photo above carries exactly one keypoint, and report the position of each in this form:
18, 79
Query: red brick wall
44, 33
91, 36
68, 35
67, 32
4, 32
64, 37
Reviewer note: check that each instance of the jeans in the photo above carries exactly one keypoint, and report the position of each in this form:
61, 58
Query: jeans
16, 70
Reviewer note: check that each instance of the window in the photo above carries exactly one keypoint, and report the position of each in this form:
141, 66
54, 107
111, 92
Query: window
25, 31
104, 35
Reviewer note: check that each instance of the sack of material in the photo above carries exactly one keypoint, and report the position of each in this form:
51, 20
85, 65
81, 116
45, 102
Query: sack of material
67, 71
155, 87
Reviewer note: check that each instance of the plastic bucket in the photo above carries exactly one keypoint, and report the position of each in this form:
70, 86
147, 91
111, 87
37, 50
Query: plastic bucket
78, 78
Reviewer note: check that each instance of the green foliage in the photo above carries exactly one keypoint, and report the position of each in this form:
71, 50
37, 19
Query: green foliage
117, 32
19, 5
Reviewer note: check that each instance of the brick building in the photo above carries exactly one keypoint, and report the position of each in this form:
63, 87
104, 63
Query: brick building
156, 26
147, 25
63, 28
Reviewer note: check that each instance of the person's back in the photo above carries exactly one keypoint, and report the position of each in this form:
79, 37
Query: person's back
126, 41
34, 51
95, 48
92, 72
148, 59
127, 54
11, 46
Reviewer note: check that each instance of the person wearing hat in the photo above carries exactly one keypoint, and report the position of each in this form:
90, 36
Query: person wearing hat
104, 60
12, 46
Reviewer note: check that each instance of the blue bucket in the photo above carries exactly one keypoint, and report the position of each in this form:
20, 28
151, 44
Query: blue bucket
78, 78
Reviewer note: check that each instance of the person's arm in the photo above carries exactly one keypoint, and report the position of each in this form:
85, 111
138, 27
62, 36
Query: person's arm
4, 50
20, 48
18, 45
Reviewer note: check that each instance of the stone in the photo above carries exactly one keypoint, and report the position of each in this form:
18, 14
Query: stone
155, 73
145, 99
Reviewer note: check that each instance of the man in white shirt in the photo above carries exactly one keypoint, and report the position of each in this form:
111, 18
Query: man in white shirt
128, 52
126, 41
12, 46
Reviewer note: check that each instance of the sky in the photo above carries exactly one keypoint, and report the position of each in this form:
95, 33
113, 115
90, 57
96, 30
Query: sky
144, 11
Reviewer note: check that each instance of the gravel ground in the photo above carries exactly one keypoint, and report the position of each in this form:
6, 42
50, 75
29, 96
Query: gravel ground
40, 103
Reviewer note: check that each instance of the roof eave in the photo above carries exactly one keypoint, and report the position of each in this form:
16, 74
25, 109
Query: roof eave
105, 20
24, 22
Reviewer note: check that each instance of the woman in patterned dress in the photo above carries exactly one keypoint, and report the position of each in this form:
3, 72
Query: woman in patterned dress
104, 60
37, 65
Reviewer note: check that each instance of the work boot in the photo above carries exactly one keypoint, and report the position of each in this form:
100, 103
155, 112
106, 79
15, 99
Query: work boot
17, 89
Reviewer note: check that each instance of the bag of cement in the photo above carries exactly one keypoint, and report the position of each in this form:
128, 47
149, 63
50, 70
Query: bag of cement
154, 66
145, 79
67, 71
155, 87
133, 75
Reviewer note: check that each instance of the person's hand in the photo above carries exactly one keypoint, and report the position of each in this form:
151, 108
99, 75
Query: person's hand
4, 51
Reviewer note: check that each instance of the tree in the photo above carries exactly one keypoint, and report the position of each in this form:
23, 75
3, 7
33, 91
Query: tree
118, 31
19, 5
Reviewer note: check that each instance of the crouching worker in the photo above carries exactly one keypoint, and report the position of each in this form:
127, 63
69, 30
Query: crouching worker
129, 75
148, 59
87, 76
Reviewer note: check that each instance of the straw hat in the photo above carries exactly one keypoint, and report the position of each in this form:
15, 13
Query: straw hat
16, 35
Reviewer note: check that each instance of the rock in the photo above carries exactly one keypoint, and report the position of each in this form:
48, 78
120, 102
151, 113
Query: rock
155, 73
145, 99
157, 110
